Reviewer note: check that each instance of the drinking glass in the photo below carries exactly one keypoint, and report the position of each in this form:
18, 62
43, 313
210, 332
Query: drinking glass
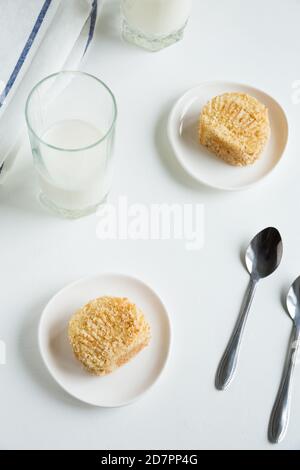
154, 24
71, 119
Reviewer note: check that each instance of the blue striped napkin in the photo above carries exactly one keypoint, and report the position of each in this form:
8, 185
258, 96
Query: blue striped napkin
37, 38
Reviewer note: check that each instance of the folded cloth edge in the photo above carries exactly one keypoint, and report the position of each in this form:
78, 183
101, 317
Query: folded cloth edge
79, 50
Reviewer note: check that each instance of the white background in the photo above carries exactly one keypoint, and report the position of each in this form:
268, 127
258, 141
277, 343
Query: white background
255, 42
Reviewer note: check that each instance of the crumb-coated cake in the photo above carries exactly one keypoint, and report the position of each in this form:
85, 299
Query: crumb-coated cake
235, 127
107, 332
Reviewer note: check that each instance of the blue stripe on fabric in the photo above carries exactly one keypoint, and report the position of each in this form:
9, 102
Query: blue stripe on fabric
93, 18
25, 51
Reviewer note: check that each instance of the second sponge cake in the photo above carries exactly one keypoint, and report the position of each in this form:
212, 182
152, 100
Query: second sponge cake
107, 332
235, 126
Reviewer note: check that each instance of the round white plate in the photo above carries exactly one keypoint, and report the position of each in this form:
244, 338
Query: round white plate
205, 167
131, 380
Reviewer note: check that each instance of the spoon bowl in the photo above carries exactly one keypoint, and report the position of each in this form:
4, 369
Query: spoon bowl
264, 253
293, 301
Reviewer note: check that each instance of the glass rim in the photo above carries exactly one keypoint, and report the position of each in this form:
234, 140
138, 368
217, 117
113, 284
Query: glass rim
73, 72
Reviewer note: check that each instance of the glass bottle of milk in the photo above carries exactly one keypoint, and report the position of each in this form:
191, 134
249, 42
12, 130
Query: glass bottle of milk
154, 24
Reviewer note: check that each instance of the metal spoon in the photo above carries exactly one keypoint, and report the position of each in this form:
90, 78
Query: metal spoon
263, 256
281, 410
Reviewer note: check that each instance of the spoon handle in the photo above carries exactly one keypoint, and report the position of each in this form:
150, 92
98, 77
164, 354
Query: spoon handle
281, 412
229, 360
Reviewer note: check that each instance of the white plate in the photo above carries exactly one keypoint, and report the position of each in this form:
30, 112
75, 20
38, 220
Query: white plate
203, 165
131, 380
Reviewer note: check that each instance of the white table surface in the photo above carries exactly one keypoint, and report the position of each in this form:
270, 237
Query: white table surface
254, 42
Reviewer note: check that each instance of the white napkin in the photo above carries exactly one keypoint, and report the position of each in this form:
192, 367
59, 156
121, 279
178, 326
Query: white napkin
37, 38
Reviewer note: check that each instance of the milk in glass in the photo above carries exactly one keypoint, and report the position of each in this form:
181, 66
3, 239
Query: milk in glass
154, 24
75, 176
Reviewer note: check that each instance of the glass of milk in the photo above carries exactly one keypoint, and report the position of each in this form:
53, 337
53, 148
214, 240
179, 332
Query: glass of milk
71, 119
154, 24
